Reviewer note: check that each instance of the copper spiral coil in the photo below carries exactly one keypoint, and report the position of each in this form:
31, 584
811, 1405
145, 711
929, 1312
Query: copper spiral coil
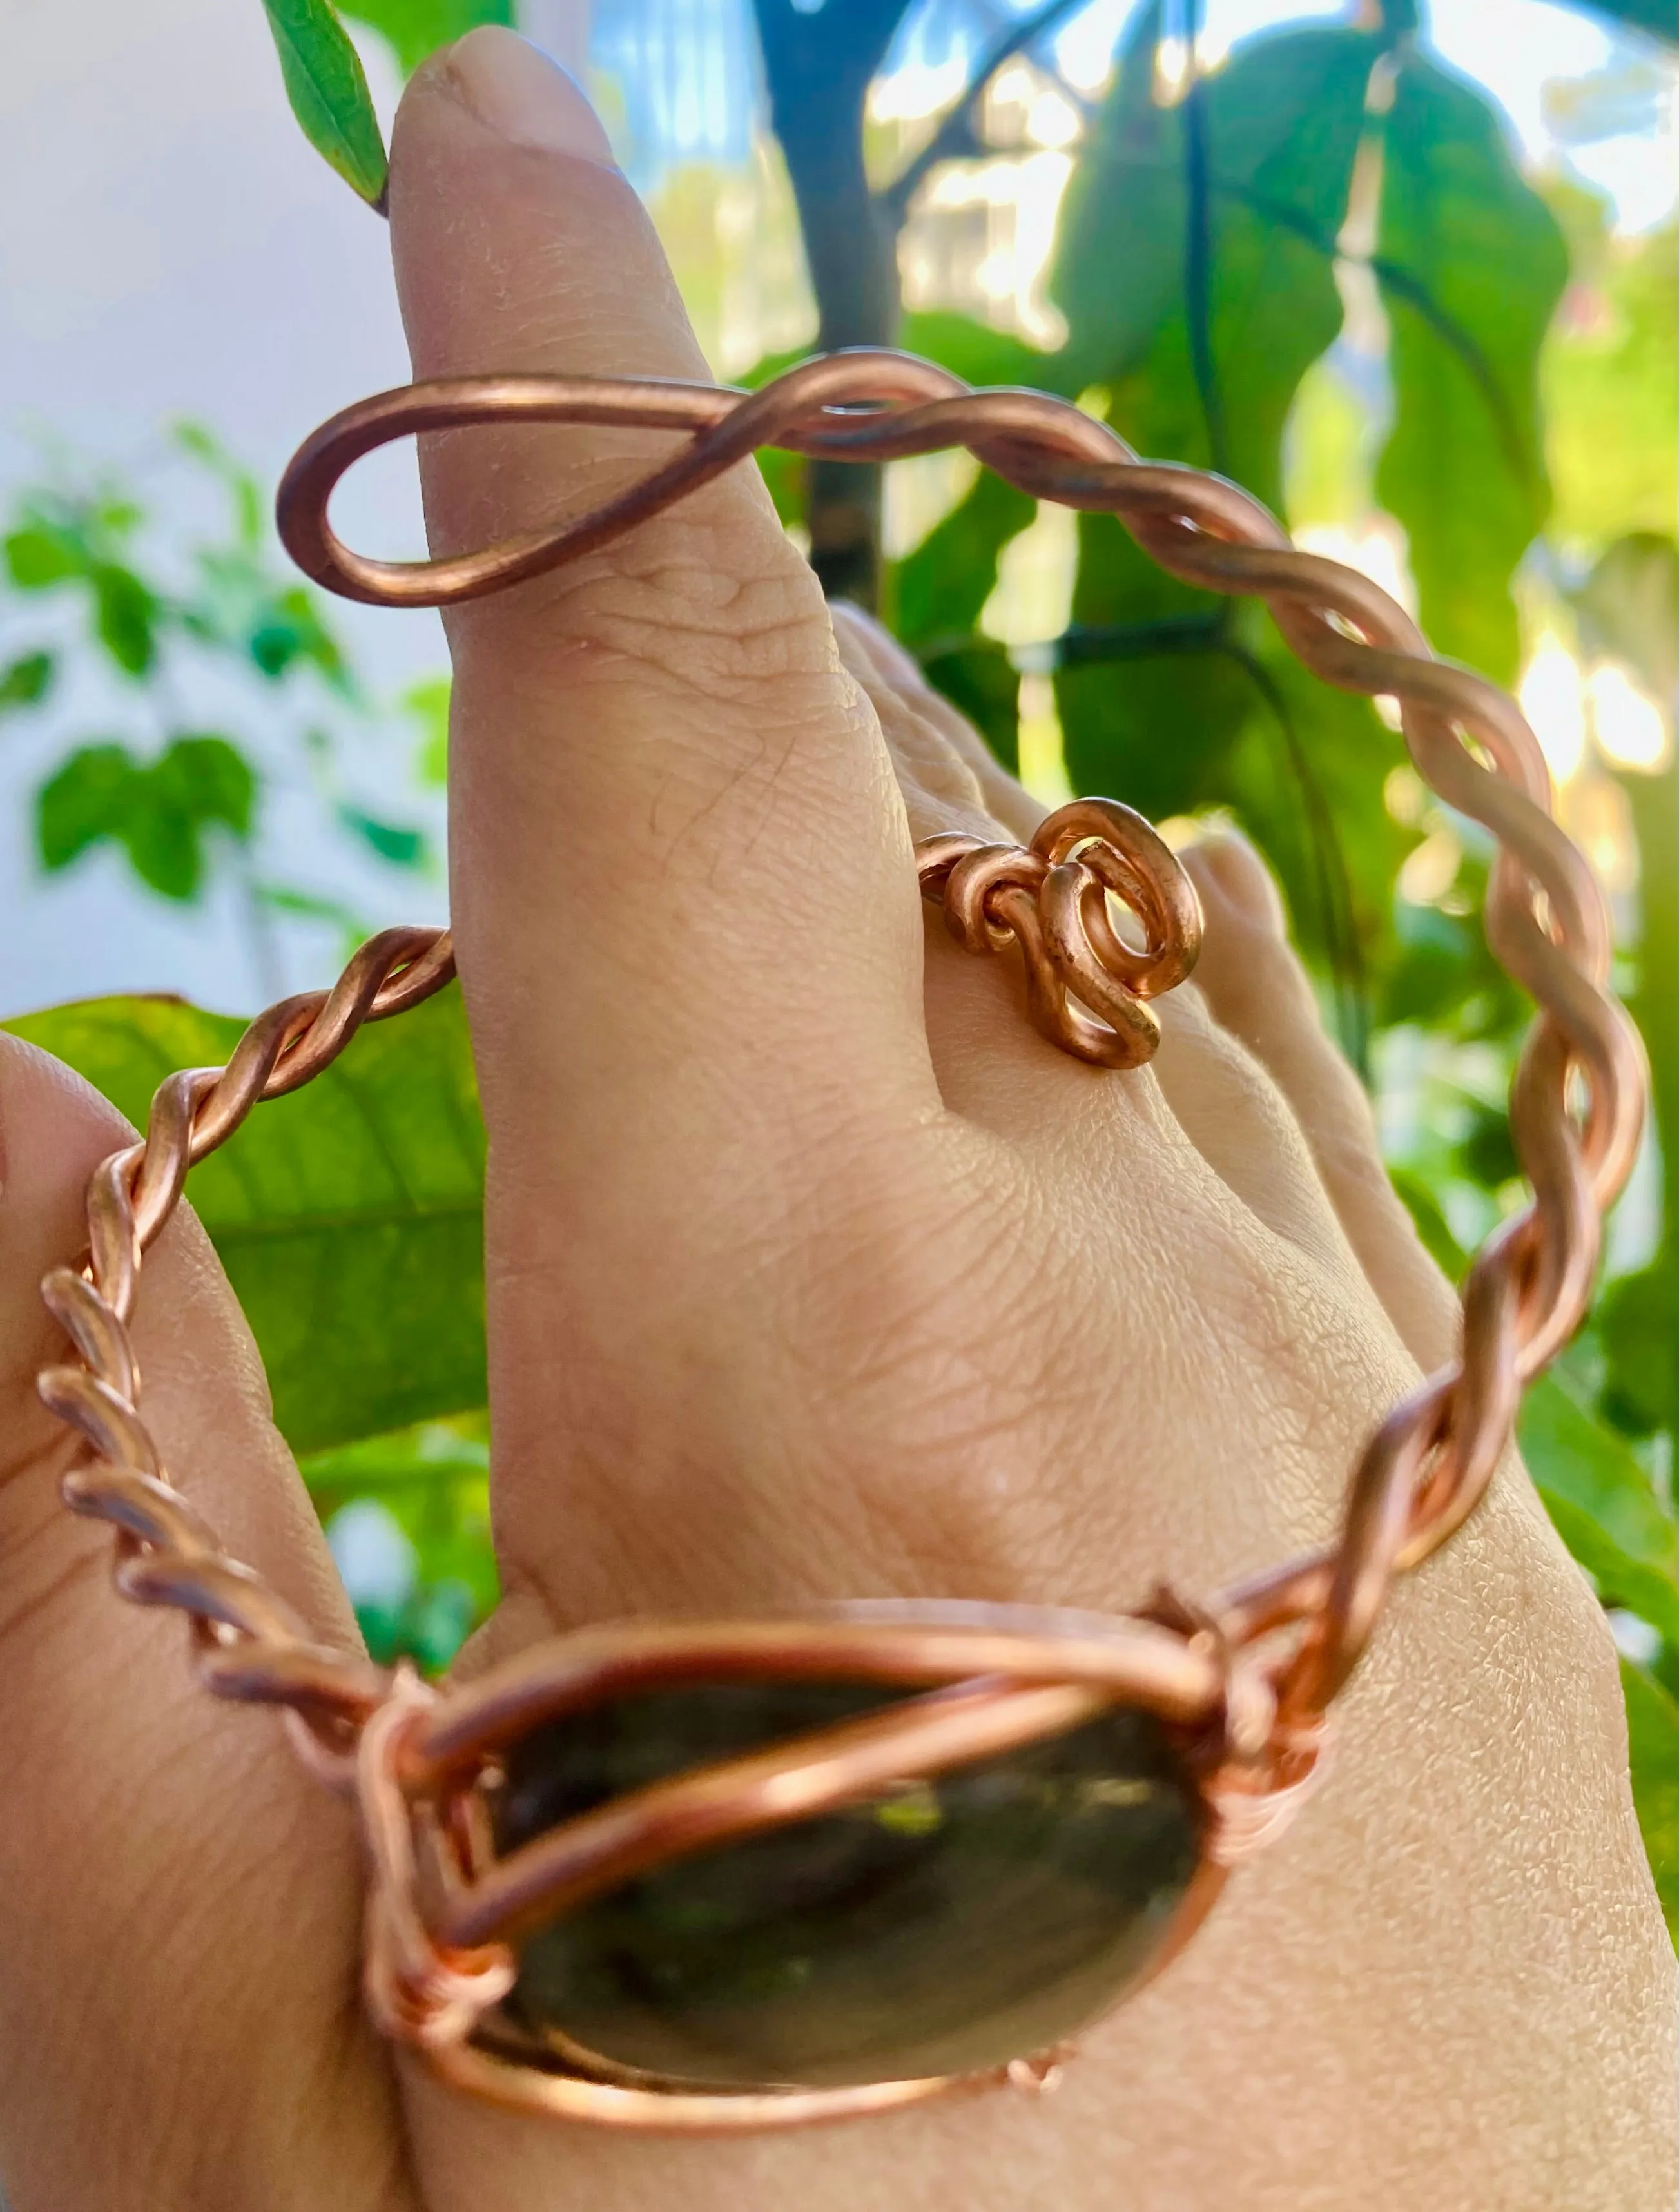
1052, 901
1251, 1675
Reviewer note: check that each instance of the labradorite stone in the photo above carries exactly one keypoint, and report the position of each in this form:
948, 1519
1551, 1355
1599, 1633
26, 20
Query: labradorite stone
946, 1925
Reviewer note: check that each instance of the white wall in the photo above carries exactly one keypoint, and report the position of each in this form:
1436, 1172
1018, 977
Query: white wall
169, 245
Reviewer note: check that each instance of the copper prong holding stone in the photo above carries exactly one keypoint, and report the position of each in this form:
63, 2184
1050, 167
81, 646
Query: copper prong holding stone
1219, 1711
973, 1695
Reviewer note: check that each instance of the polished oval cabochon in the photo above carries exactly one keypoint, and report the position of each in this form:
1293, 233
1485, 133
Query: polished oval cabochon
945, 1926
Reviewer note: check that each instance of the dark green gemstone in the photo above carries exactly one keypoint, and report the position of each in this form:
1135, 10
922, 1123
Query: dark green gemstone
946, 1926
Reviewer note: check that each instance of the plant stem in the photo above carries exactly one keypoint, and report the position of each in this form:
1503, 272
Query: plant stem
819, 66
1198, 245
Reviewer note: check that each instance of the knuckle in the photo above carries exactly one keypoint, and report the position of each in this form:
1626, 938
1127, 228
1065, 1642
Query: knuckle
714, 608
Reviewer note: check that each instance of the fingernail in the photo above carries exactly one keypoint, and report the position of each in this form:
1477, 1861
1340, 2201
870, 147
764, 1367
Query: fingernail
515, 91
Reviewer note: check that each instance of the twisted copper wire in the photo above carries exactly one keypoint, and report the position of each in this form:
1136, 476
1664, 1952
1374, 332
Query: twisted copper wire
1086, 989
1576, 1101
251, 1643
1546, 919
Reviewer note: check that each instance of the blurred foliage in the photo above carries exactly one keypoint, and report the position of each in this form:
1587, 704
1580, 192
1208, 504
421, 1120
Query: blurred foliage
349, 1215
157, 809
430, 1485
1600, 1495
179, 802
1320, 268
1652, 1727
1607, 378
1471, 265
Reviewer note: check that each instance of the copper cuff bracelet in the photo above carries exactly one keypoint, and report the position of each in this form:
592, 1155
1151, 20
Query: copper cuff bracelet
725, 1874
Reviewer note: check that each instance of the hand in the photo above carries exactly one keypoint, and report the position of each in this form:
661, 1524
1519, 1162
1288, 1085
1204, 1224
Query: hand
814, 1272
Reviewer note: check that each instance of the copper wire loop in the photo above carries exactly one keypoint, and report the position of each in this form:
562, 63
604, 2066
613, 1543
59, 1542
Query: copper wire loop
1245, 1679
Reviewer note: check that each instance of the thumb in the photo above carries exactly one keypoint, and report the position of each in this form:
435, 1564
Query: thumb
178, 1900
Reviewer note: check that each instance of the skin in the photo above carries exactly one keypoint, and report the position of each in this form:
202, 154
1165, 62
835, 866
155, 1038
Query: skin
812, 1273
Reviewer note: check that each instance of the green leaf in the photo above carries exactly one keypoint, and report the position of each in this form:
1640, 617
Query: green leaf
348, 1216
415, 28
240, 610
163, 846
428, 703
404, 1459
273, 647
209, 780
37, 557
433, 1481
939, 589
403, 847
328, 92
1577, 1459
290, 629
285, 898
1621, 1583
197, 781
158, 810
124, 616
1639, 1319
1628, 606
979, 354
27, 681
86, 799
1281, 124
1152, 706
1653, 803
1471, 266
1432, 1226
1306, 779
1150, 711
1653, 1730
1442, 975
980, 681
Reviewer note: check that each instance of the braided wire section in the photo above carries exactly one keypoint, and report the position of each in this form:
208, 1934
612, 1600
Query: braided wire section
1577, 1101
251, 1644
1247, 1678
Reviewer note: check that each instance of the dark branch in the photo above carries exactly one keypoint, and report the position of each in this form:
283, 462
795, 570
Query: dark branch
1198, 247
818, 64
958, 136
1100, 641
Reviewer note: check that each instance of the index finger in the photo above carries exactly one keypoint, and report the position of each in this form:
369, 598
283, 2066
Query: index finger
684, 892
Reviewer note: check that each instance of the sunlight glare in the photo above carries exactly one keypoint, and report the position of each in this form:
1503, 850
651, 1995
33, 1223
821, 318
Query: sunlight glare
1550, 697
1626, 722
